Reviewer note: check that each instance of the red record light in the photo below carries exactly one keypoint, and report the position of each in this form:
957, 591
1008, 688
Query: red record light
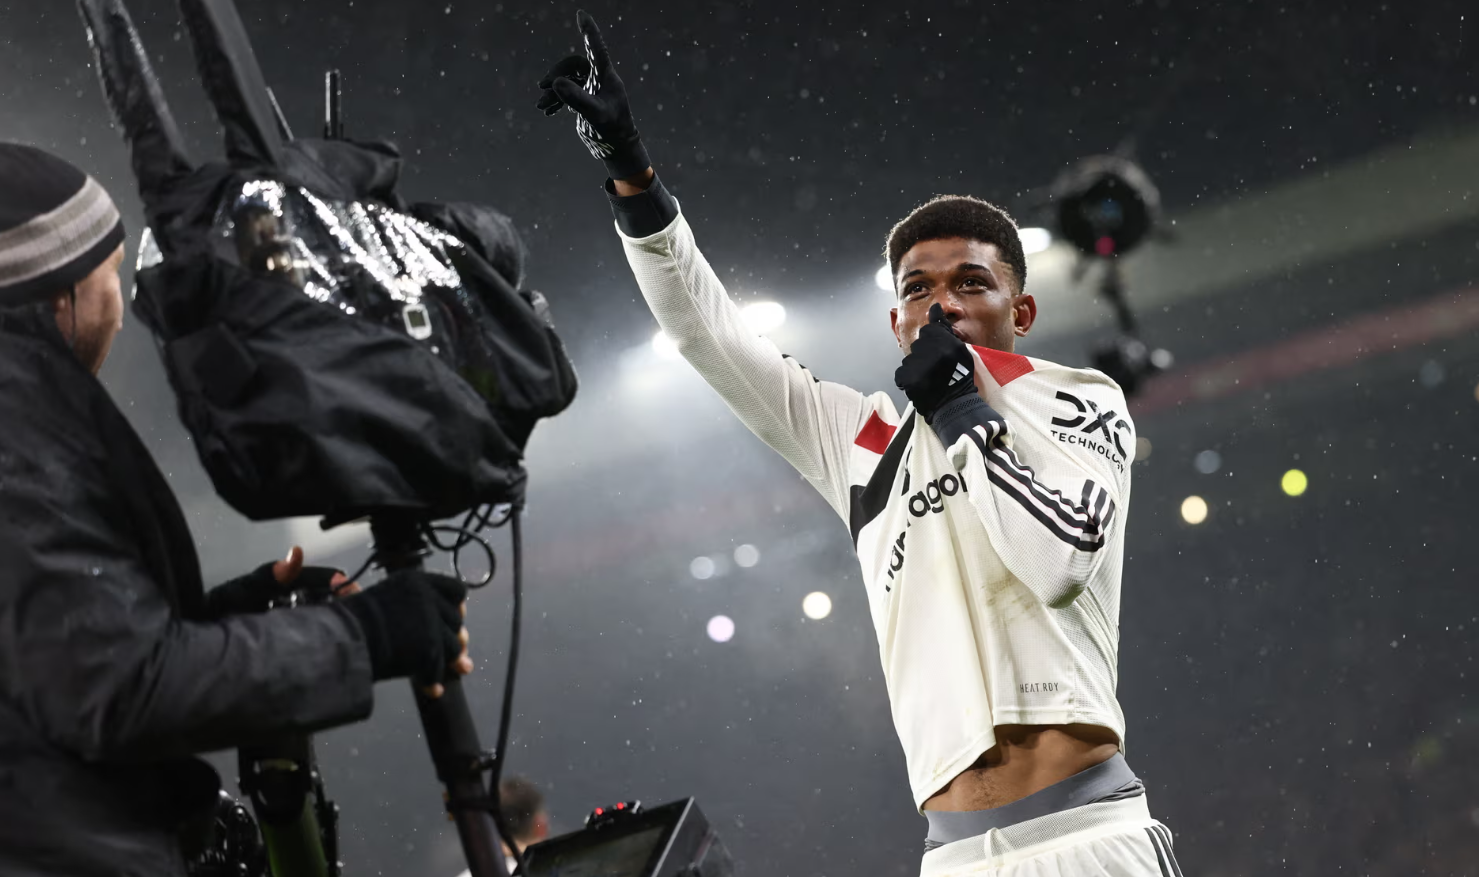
621, 806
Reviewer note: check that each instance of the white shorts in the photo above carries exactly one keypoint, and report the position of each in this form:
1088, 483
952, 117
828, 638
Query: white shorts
1109, 839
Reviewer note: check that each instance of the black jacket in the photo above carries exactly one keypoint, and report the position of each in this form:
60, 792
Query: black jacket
109, 679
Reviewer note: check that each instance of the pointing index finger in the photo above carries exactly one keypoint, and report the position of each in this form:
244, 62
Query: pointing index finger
600, 58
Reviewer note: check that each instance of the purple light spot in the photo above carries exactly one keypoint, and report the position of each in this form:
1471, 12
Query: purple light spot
721, 628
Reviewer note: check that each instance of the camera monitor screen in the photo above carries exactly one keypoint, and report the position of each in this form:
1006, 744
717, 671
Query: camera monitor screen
630, 845
621, 856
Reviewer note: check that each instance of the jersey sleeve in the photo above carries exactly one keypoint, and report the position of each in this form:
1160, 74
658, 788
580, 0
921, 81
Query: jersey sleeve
1052, 512
810, 422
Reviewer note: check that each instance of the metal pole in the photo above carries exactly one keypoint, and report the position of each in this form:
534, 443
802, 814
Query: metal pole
333, 106
1112, 287
447, 722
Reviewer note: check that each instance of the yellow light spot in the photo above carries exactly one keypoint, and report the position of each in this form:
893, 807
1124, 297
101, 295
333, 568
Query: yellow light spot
1142, 448
817, 605
1194, 510
1294, 482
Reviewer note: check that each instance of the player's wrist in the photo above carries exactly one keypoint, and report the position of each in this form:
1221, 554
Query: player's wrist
643, 213
629, 162
626, 187
955, 417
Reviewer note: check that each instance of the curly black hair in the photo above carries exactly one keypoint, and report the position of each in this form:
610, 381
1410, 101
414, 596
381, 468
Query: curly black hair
958, 216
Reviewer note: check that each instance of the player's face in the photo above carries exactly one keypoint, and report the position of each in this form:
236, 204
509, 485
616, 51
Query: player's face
971, 283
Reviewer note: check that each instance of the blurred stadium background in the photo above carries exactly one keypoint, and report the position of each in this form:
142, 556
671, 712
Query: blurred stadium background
1297, 671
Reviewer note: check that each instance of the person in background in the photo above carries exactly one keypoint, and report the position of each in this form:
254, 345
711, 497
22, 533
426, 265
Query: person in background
116, 665
523, 815
523, 811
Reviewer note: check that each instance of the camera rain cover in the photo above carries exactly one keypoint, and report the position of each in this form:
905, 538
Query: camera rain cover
334, 351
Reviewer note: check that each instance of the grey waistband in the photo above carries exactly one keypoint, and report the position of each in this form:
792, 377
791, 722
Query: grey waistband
1107, 781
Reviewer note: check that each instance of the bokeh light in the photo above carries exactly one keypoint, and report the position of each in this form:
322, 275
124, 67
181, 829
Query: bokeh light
1431, 374
1294, 482
1143, 448
746, 556
1194, 510
817, 605
702, 567
1208, 461
721, 628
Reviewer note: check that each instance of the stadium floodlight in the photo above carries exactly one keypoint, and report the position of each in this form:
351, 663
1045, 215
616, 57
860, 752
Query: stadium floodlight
1034, 240
884, 278
763, 316
664, 346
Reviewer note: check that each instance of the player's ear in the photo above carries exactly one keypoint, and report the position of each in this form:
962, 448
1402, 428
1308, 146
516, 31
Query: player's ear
893, 323
1024, 314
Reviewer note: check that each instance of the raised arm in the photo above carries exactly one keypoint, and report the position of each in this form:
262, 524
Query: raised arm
811, 423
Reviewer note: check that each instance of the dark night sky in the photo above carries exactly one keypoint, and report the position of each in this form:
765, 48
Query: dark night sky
809, 130
1296, 676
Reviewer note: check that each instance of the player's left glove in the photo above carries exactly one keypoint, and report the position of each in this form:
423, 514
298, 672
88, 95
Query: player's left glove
588, 86
939, 368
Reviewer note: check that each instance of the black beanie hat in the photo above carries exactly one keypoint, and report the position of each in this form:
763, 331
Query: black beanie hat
56, 224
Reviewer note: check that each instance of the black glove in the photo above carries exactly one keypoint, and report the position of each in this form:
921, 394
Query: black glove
939, 368
588, 86
411, 622
255, 591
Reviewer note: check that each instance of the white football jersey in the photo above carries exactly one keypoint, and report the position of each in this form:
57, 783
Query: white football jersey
992, 567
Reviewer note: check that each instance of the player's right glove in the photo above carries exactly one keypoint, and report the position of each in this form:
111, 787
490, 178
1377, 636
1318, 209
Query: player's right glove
939, 377
939, 368
588, 86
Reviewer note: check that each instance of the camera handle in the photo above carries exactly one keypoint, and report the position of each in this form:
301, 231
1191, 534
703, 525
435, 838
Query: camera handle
451, 736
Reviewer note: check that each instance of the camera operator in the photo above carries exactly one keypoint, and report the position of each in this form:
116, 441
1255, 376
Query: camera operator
116, 667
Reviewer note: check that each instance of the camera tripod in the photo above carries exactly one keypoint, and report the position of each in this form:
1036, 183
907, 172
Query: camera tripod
299, 823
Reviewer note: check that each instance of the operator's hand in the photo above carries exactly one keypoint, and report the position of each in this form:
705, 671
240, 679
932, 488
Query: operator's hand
288, 571
412, 622
939, 369
255, 591
588, 86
